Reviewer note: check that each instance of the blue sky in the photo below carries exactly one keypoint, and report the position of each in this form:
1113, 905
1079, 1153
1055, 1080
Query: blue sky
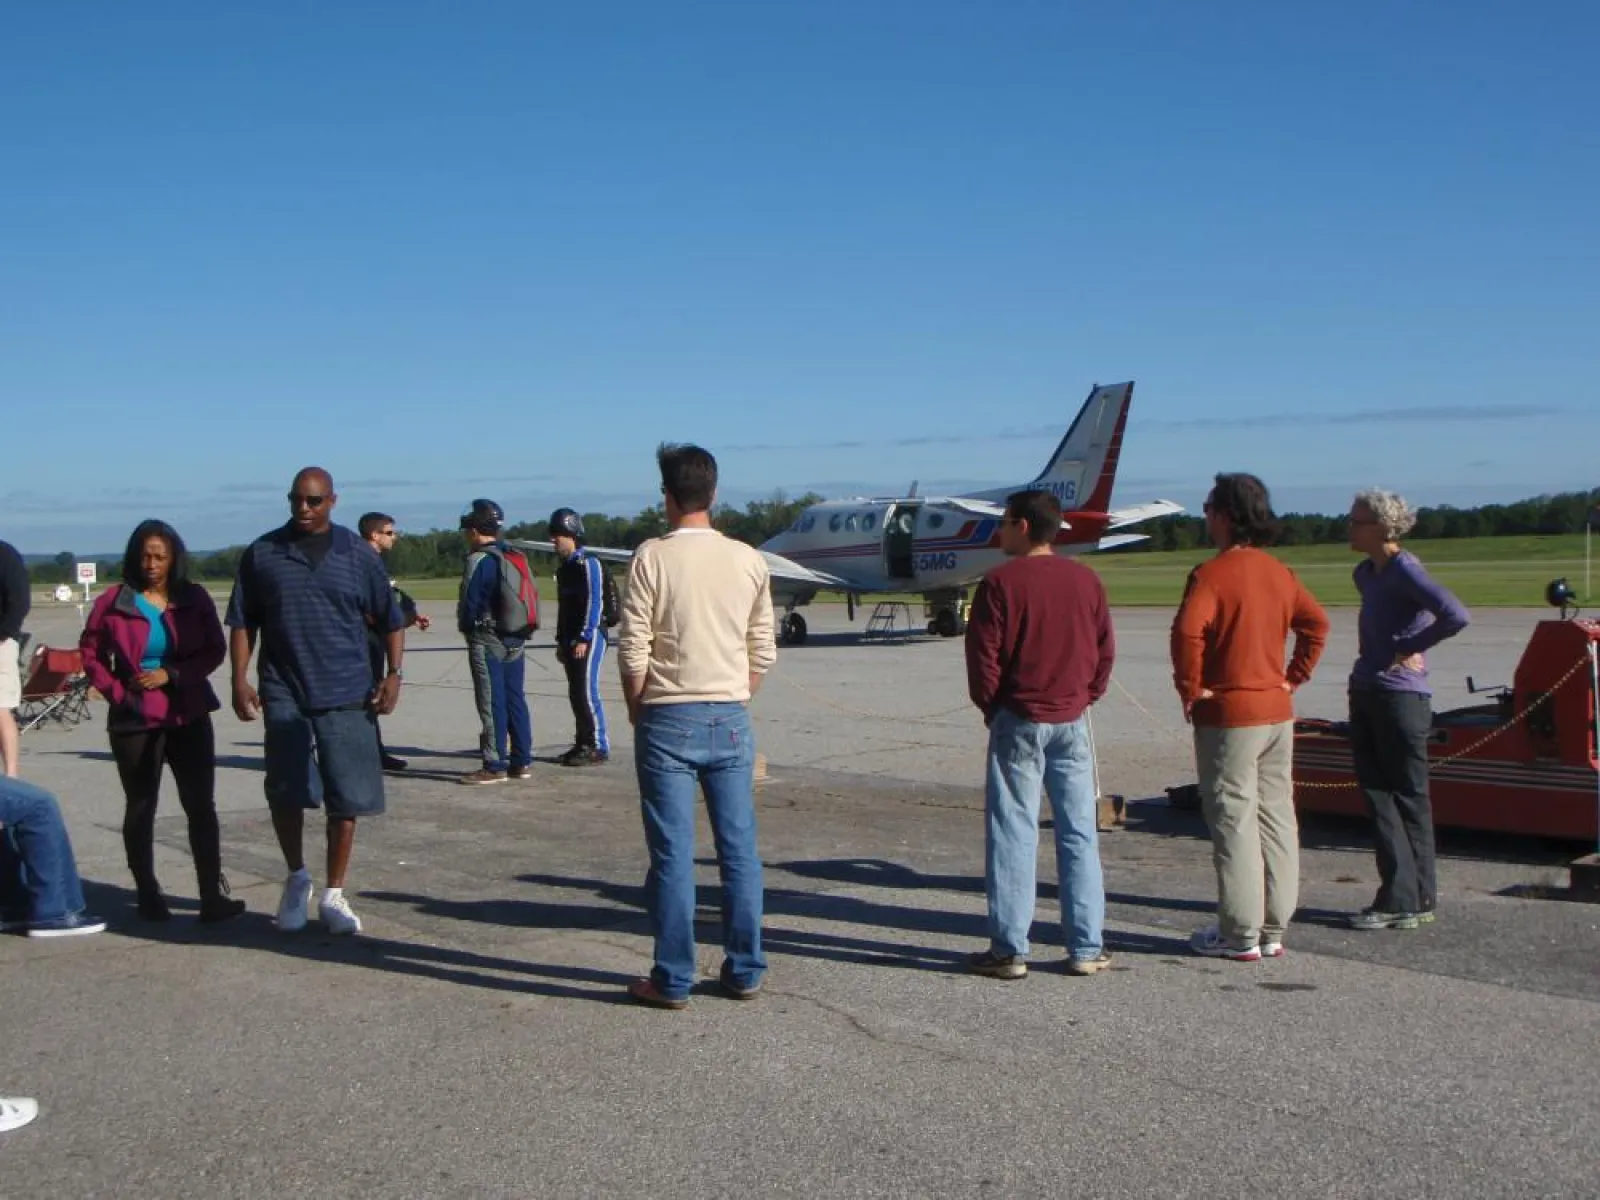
505, 248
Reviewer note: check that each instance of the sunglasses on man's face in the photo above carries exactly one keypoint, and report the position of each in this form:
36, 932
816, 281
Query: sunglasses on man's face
296, 499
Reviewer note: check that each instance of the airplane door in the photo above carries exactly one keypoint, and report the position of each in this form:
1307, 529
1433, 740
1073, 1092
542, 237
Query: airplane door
899, 541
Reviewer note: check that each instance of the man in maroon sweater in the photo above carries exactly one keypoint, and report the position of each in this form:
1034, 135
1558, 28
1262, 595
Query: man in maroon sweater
1039, 652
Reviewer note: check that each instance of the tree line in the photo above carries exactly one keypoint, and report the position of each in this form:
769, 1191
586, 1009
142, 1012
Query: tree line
438, 553
1567, 512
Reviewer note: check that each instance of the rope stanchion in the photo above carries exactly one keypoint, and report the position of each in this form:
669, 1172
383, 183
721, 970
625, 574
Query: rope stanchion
936, 718
1471, 746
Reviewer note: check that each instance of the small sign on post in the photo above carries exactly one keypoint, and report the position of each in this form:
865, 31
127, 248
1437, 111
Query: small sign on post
87, 574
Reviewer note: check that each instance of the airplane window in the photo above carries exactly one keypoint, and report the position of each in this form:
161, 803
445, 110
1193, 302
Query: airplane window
935, 520
808, 524
834, 521
850, 523
867, 522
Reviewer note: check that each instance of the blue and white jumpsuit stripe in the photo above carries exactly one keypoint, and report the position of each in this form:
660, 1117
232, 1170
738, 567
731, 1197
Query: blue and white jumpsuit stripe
583, 674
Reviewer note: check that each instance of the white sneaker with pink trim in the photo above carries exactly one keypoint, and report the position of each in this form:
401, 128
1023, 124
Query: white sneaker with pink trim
1208, 942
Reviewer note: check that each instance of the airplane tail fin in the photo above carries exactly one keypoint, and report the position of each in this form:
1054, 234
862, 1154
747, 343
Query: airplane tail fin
1084, 466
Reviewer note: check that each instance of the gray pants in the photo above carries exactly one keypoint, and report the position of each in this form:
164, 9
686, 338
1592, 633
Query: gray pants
1389, 741
1247, 796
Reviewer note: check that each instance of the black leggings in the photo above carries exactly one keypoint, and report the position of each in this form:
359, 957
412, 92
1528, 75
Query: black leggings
190, 750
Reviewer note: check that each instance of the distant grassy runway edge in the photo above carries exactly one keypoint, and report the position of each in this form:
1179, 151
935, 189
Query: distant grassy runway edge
1496, 572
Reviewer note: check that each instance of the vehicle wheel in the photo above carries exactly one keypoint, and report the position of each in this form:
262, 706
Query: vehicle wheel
945, 623
794, 629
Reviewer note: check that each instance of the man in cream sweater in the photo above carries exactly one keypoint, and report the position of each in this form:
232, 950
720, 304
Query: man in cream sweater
696, 639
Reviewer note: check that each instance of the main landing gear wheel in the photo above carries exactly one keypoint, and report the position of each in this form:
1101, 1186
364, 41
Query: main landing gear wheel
793, 630
945, 623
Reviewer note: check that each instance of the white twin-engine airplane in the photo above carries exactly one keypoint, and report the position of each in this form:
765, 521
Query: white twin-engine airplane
940, 546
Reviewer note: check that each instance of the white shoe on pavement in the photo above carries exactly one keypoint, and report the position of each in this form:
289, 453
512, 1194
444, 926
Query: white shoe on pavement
336, 912
16, 1112
293, 906
1210, 943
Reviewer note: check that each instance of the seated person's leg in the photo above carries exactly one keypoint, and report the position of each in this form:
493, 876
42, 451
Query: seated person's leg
32, 819
13, 893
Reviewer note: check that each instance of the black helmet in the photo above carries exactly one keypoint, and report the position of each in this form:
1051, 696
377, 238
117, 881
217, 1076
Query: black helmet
565, 520
484, 516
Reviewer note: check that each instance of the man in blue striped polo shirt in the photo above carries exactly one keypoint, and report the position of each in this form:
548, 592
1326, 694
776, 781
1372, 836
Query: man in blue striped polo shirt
310, 589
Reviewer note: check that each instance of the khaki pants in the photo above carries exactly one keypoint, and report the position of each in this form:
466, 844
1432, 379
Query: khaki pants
1247, 796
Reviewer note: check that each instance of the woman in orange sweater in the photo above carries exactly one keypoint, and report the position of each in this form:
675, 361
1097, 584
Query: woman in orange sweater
1227, 664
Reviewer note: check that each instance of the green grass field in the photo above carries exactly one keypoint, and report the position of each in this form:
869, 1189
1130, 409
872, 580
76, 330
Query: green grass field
1486, 572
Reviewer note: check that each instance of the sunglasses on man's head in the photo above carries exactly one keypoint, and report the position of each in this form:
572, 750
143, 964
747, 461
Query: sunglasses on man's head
308, 501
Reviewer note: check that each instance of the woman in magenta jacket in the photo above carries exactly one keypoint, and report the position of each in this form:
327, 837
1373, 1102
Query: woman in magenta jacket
150, 646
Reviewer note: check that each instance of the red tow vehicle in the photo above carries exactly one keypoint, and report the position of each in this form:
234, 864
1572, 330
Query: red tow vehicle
1524, 763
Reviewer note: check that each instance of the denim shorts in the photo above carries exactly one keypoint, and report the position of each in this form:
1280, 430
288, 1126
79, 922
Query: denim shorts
321, 757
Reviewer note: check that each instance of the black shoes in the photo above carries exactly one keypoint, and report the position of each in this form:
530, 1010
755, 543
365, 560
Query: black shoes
583, 756
152, 904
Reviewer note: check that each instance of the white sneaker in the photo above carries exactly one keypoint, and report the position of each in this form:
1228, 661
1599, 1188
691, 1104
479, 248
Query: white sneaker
336, 913
1271, 949
296, 900
17, 1112
1209, 943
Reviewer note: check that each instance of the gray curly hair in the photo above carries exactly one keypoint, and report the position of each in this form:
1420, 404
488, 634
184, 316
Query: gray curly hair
1391, 511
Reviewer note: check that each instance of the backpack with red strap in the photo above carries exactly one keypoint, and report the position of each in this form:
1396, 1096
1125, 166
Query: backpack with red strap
516, 602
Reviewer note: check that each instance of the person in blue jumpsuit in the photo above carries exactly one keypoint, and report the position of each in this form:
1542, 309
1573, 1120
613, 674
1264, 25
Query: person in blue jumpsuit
581, 637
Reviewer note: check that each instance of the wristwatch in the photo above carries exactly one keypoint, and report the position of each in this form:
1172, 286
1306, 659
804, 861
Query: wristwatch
396, 675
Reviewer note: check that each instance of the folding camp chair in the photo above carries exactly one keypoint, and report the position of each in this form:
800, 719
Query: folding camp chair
54, 688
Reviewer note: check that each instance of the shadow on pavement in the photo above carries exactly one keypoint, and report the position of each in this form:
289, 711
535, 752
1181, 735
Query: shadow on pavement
255, 931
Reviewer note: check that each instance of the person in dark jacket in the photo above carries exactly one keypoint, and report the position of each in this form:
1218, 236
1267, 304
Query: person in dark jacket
497, 660
581, 637
377, 530
15, 600
150, 646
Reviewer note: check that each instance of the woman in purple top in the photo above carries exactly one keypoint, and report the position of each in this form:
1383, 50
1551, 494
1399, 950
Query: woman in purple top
150, 646
1404, 614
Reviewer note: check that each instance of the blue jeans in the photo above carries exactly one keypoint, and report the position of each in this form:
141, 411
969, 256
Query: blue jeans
38, 853
498, 669
676, 747
1023, 755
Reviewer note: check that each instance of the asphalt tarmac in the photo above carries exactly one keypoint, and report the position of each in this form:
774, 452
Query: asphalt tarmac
475, 1040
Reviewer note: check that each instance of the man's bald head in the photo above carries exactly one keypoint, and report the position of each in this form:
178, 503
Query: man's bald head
314, 476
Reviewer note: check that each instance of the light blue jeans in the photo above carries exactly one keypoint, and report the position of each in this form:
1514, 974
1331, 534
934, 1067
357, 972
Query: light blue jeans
1025, 756
679, 749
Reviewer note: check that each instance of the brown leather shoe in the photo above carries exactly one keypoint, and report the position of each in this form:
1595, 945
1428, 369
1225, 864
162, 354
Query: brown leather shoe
644, 991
